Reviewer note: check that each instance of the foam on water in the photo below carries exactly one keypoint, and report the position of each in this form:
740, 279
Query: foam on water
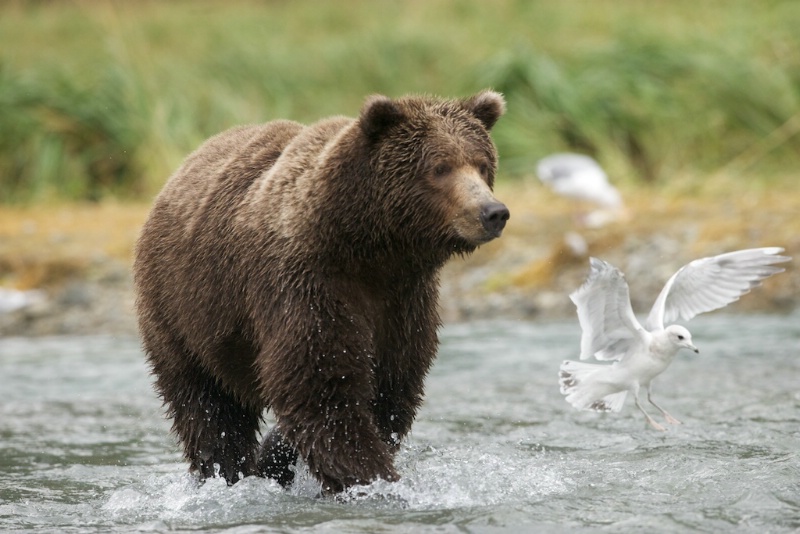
434, 481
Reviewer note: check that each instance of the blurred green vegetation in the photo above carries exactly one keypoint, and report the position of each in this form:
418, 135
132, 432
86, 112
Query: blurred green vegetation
105, 98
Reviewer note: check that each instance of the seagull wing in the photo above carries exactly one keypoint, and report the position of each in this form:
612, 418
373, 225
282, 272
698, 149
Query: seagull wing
711, 283
610, 330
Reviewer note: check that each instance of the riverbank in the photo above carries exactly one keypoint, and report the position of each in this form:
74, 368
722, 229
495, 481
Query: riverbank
79, 256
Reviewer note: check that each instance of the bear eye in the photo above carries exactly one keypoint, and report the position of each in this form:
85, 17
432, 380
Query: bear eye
483, 169
441, 169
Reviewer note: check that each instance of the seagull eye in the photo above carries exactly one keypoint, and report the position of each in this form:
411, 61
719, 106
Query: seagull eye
680, 337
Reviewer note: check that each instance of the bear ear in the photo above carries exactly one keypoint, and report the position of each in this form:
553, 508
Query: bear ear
378, 114
487, 106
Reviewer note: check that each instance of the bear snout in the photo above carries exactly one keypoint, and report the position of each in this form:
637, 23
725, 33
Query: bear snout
478, 217
493, 217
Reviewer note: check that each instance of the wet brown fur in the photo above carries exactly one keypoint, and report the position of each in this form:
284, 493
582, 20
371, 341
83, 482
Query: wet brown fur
295, 268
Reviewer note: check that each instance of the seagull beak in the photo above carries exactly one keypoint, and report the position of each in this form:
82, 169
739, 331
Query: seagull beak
695, 349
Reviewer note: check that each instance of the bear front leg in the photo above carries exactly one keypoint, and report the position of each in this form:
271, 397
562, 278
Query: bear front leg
395, 410
276, 458
401, 374
322, 399
345, 451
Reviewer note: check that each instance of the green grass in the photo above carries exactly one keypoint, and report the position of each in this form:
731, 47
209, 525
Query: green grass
102, 99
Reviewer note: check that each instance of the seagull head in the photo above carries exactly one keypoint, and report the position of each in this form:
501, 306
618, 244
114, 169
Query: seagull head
680, 338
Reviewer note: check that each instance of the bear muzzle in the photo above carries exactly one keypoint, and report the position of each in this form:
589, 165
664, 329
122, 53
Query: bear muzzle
477, 217
493, 218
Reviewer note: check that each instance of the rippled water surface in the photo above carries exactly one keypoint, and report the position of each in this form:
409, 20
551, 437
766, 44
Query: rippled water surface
84, 447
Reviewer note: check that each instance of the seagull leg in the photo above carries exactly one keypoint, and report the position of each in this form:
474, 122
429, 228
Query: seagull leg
650, 420
671, 420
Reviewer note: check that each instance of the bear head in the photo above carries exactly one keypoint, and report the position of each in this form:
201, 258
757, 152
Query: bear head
433, 165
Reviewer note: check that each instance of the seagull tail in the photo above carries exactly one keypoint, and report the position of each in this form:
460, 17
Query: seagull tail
579, 383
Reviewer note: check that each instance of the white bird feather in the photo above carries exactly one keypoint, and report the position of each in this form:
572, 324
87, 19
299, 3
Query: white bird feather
611, 331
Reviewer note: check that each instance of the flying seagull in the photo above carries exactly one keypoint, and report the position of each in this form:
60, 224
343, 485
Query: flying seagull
640, 353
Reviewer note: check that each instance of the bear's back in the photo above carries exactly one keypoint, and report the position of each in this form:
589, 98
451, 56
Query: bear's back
219, 173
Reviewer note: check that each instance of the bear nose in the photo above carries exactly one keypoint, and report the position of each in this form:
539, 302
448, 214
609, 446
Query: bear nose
494, 217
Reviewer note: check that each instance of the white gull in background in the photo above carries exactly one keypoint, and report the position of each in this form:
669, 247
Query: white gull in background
12, 300
640, 353
581, 178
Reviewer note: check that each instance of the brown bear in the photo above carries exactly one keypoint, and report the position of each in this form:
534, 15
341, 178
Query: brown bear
295, 268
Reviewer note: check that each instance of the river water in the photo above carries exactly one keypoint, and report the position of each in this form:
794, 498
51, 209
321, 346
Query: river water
84, 446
